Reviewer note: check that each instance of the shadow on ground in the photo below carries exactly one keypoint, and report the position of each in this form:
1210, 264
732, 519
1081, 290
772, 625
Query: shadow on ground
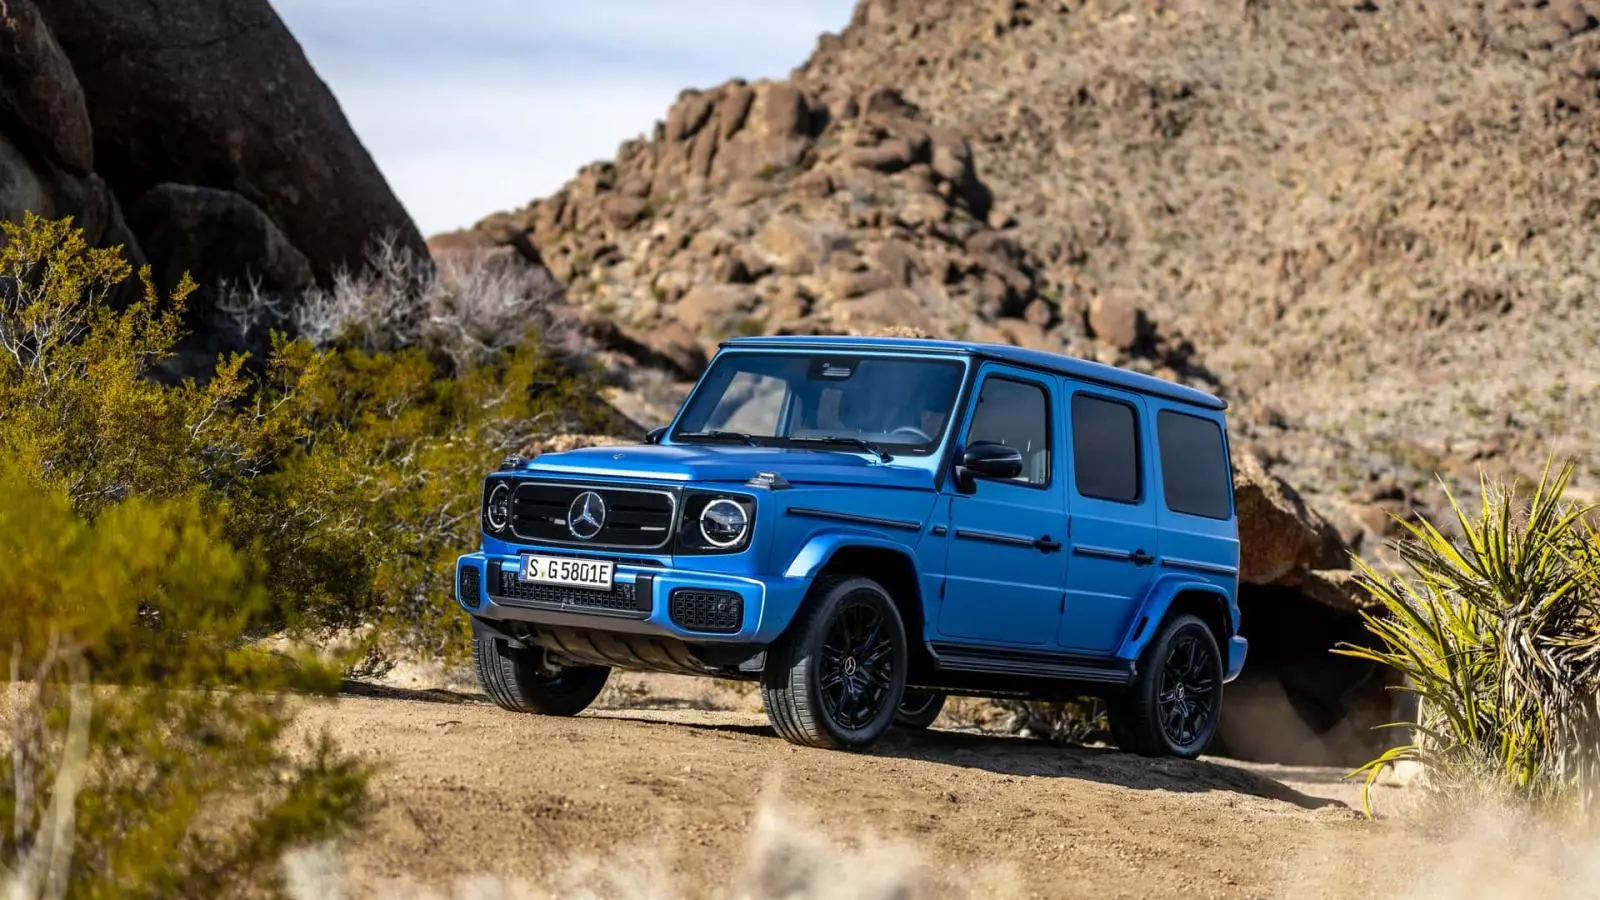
998, 754
352, 688
1013, 756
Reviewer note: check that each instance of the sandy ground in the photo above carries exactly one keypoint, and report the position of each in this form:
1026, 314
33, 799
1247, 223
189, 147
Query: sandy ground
675, 787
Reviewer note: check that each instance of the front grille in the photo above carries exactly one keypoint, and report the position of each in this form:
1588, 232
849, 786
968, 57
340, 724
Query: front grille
717, 612
622, 599
469, 586
635, 518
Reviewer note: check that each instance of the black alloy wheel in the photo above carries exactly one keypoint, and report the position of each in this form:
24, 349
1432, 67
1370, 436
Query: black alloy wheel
835, 680
522, 680
1189, 691
919, 709
1175, 700
856, 669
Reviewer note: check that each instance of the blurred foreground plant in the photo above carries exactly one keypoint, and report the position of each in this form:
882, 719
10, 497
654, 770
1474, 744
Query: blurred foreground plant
147, 753
1498, 634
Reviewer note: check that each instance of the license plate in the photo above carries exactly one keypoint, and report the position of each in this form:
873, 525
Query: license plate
594, 574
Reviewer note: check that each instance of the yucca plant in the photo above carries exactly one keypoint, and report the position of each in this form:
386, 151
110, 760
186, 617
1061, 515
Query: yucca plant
1498, 634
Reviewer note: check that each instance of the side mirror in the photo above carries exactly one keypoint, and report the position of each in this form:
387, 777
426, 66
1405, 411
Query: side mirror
654, 435
989, 459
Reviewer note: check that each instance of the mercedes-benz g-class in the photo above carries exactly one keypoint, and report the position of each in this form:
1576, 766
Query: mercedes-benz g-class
867, 525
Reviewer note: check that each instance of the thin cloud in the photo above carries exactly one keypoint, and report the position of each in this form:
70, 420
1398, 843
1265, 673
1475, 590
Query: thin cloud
471, 107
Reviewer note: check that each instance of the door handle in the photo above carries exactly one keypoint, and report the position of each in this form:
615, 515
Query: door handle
1047, 544
1141, 558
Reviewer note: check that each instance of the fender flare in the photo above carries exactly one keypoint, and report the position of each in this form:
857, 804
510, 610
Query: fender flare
1158, 599
781, 608
820, 548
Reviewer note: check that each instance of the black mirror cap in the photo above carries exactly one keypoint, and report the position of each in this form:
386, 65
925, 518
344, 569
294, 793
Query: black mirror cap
992, 460
654, 435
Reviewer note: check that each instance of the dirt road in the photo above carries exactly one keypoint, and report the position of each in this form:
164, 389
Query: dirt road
678, 789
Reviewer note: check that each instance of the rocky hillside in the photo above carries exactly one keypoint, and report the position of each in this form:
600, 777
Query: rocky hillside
1368, 224
192, 132
1375, 220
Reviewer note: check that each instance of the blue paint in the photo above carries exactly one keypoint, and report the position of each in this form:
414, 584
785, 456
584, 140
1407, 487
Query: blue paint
1053, 565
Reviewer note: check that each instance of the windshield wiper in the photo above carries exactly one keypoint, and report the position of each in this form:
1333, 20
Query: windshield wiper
723, 436
882, 454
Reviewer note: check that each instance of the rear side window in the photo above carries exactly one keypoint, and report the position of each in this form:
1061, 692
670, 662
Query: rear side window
1105, 449
1194, 466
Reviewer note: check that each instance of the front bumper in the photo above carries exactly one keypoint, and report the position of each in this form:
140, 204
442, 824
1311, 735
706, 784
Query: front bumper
683, 604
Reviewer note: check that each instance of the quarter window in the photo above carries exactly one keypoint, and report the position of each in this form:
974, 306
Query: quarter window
1194, 466
1105, 449
1016, 414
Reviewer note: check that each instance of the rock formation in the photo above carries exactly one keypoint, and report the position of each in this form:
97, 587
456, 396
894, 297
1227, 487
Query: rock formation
193, 133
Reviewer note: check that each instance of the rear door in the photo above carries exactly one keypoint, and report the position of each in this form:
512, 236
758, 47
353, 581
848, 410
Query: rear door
1005, 567
1112, 508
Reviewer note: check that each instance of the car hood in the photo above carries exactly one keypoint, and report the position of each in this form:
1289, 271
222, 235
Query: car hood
713, 463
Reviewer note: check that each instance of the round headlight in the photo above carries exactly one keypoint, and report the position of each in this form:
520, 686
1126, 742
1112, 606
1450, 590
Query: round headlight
497, 512
723, 523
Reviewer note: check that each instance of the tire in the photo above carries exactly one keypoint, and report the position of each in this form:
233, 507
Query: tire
816, 691
516, 679
918, 709
1175, 701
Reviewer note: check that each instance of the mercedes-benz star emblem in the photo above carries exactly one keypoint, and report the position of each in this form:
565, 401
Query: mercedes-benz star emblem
586, 516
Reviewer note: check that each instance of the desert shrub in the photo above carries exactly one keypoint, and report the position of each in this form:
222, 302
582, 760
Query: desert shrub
463, 309
1498, 634
352, 471
78, 411
383, 496
145, 755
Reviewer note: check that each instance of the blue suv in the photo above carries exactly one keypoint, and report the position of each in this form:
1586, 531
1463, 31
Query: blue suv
867, 525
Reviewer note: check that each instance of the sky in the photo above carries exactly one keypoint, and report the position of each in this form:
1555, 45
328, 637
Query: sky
474, 106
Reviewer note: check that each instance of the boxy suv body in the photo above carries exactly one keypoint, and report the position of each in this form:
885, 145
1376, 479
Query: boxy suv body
867, 525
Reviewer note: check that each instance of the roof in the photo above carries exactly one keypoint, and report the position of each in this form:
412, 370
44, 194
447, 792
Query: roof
1059, 363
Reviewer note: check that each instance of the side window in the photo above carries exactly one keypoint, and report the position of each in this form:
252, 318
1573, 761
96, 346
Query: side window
1105, 449
1194, 467
1017, 414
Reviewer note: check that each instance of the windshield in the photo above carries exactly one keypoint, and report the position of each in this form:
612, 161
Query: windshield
773, 399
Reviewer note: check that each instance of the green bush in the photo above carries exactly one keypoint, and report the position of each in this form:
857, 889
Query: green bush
377, 503
353, 474
154, 533
1498, 634
146, 754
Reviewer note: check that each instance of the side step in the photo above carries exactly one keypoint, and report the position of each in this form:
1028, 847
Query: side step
1030, 664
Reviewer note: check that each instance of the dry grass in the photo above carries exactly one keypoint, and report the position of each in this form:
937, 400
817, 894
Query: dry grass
467, 307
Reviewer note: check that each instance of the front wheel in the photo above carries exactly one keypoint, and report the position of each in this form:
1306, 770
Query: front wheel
522, 680
918, 709
1173, 705
836, 679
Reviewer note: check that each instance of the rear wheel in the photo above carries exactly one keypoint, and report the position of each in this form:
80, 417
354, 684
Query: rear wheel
1173, 705
523, 679
836, 679
918, 709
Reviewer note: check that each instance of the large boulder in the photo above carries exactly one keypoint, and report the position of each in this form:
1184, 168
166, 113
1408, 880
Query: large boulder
214, 236
41, 102
1280, 537
217, 93
29, 184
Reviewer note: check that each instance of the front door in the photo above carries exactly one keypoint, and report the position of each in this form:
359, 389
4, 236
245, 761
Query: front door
1113, 541
1005, 566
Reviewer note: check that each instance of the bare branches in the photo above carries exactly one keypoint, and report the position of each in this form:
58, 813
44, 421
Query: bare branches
44, 847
